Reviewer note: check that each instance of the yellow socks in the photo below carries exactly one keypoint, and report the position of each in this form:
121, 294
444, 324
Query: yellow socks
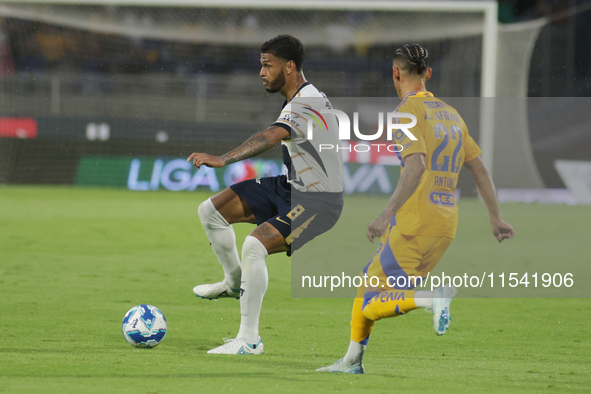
361, 326
389, 304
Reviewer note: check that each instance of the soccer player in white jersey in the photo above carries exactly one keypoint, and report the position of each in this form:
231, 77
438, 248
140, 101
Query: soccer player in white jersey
289, 210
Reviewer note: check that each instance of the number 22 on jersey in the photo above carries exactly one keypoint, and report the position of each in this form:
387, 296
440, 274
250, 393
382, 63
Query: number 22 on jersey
453, 138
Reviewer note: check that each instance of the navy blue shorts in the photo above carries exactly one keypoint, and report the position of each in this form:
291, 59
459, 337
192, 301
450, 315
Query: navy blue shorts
299, 217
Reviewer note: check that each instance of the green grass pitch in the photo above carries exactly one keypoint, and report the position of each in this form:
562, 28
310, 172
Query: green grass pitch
73, 261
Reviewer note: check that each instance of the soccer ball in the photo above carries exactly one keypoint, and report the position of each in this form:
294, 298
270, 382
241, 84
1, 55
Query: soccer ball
144, 326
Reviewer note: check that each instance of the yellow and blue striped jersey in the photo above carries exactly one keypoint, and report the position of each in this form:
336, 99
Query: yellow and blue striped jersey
442, 136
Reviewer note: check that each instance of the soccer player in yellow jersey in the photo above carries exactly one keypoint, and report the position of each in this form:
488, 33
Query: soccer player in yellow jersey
419, 221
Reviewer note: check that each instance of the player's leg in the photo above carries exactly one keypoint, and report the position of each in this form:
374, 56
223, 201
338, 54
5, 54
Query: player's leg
268, 238
361, 328
264, 240
251, 201
300, 223
388, 268
441, 298
414, 258
232, 207
217, 215
438, 301
361, 325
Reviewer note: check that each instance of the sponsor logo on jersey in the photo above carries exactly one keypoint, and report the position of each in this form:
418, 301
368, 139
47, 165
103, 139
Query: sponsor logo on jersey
442, 198
290, 118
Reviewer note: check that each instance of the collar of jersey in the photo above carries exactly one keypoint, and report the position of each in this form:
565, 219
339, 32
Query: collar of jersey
422, 93
296, 93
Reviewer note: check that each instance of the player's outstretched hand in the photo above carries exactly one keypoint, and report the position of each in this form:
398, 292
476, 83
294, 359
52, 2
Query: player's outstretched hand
200, 159
377, 228
502, 230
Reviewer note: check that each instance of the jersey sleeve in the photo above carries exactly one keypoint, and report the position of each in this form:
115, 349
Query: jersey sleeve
471, 149
410, 146
293, 119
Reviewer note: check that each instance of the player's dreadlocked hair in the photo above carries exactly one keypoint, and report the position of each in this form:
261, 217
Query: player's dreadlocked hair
286, 47
412, 57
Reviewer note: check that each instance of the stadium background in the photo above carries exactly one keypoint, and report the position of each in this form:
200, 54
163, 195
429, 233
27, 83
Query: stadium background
96, 100
87, 90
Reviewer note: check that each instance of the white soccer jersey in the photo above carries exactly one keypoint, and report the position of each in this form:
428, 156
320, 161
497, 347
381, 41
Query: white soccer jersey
309, 168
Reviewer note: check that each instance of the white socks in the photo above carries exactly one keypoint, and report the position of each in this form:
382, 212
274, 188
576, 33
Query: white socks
354, 354
253, 272
255, 280
223, 241
423, 299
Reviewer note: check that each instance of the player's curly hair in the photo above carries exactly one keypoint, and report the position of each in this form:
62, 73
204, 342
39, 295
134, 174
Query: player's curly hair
412, 57
286, 47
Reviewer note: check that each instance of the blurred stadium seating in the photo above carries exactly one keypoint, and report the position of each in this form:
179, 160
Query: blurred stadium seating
195, 70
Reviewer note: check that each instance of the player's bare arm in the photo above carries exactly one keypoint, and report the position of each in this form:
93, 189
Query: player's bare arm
501, 229
414, 167
255, 145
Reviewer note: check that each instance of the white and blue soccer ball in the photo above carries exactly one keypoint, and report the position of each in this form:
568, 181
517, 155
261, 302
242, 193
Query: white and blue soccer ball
144, 326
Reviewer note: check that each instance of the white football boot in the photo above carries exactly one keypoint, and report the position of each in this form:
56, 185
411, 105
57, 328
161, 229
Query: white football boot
215, 291
441, 301
342, 366
238, 346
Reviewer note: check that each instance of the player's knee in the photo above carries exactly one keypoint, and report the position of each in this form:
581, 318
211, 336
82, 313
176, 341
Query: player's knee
389, 304
205, 209
371, 314
252, 247
209, 215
